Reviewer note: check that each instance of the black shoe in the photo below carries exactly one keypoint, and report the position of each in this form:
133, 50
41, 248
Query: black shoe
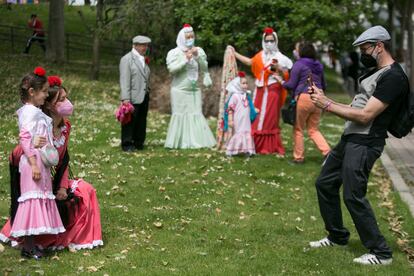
32, 254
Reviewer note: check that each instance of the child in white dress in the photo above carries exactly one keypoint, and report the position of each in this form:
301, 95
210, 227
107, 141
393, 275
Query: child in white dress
239, 113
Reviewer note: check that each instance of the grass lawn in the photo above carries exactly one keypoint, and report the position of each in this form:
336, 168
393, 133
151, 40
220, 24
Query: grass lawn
192, 212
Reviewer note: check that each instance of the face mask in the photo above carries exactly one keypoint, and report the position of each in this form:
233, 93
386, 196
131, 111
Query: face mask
270, 46
189, 42
65, 108
368, 60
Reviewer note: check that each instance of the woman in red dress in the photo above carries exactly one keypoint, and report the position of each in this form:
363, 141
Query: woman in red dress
269, 95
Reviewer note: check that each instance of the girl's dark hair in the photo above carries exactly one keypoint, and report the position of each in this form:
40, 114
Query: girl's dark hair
31, 80
307, 50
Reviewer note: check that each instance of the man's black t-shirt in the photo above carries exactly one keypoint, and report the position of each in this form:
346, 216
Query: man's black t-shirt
391, 89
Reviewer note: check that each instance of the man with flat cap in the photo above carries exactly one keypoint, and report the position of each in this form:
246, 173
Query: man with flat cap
381, 91
134, 80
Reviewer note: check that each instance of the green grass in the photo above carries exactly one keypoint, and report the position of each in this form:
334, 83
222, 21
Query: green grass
219, 216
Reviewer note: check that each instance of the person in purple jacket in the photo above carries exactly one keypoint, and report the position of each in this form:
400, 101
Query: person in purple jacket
306, 68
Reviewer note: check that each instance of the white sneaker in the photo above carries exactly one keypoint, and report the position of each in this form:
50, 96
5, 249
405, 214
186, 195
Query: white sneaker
325, 242
371, 259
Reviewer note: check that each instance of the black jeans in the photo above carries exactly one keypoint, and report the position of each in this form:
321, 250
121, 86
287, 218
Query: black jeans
38, 38
350, 164
133, 134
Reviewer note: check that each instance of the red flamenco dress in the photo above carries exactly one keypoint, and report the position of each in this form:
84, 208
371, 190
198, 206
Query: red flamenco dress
269, 99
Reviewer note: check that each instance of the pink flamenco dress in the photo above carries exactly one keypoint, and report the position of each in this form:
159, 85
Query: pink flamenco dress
35, 211
241, 106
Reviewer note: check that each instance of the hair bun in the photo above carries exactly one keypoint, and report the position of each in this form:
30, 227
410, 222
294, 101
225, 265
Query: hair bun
241, 74
39, 71
54, 81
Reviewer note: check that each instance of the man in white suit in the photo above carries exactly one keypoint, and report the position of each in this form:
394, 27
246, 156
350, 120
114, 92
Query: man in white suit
134, 81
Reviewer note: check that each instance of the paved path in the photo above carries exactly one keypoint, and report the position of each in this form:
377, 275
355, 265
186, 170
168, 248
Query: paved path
398, 160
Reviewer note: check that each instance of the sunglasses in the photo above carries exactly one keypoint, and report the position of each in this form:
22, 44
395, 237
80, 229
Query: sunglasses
270, 41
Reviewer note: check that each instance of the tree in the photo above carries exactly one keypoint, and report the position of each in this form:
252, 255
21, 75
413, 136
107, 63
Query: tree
241, 22
106, 12
55, 51
97, 40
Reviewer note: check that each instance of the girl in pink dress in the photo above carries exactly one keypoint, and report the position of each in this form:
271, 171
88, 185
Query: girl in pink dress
36, 212
76, 199
239, 113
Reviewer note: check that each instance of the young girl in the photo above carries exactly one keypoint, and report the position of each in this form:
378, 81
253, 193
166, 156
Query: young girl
36, 213
239, 113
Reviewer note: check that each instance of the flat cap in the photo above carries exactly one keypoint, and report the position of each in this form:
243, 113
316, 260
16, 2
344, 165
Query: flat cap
140, 39
373, 34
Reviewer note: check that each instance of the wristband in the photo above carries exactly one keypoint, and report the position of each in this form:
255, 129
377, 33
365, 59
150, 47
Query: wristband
326, 107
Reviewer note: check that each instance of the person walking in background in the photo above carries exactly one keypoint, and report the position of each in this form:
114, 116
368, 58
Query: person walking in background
134, 78
270, 95
307, 114
38, 33
381, 92
188, 129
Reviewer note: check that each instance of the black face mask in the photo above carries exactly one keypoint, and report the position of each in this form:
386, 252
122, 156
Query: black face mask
368, 60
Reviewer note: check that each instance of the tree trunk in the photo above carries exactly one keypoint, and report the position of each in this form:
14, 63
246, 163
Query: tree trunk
55, 51
97, 41
391, 27
87, 2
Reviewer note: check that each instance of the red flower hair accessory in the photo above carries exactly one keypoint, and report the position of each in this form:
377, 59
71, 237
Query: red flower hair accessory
39, 71
54, 81
241, 74
268, 31
186, 25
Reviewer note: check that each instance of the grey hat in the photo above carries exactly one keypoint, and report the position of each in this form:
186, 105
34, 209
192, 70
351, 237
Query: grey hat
373, 34
140, 39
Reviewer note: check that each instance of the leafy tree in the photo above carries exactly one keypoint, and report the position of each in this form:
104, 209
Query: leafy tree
240, 22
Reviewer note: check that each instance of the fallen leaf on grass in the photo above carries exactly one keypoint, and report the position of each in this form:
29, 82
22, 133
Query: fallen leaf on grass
56, 258
92, 269
299, 229
40, 272
157, 224
1, 248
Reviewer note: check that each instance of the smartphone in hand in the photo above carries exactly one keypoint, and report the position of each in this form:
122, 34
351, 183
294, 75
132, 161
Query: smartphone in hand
310, 83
